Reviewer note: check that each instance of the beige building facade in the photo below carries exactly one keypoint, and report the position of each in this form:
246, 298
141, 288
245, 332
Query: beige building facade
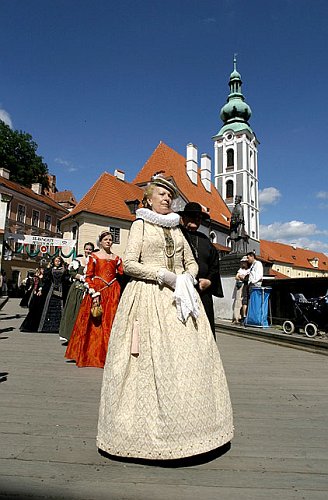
24, 211
294, 262
86, 226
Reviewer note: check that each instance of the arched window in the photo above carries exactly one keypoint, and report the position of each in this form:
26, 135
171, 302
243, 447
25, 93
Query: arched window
229, 189
230, 157
213, 237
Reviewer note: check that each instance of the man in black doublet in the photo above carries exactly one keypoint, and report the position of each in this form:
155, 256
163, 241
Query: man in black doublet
206, 256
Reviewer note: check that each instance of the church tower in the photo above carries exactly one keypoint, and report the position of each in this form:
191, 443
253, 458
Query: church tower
235, 153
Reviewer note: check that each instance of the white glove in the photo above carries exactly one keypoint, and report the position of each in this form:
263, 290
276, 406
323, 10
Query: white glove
186, 297
165, 277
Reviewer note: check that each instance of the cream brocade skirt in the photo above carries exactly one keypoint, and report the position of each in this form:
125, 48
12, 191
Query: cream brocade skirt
171, 401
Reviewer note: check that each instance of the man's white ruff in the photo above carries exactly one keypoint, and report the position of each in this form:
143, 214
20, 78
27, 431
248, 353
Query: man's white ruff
169, 220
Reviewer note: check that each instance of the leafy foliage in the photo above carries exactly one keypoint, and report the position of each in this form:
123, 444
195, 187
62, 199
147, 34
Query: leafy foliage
18, 155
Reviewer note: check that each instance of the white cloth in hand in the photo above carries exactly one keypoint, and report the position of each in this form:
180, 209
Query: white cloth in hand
185, 297
166, 277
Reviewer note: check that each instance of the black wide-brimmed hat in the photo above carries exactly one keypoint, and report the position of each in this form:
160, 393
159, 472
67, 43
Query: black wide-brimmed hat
193, 209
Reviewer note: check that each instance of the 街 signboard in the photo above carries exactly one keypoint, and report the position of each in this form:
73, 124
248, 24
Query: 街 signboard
29, 239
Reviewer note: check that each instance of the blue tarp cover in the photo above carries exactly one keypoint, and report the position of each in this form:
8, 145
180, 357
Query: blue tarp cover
257, 311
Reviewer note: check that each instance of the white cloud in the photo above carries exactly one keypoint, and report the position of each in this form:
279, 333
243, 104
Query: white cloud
322, 195
295, 233
291, 229
60, 161
65, 163
269, 196
5, 117
209, 20
316, 245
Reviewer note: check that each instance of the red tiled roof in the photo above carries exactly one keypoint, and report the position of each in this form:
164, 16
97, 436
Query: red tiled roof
107, 197
14, 186
297, 257
173, 165
65, 196
222, 248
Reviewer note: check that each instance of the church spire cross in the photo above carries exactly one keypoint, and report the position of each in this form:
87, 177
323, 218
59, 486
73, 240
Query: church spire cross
235, 62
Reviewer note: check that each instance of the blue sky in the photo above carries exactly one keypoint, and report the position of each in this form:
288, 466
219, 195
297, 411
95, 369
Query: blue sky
99, 83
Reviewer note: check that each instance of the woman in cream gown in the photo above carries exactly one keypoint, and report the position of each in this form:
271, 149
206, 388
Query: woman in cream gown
164, 392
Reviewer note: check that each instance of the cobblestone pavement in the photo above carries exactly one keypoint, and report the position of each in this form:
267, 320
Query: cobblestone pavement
48, 420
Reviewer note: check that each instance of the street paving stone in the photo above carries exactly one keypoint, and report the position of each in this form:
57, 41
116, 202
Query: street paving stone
48, 424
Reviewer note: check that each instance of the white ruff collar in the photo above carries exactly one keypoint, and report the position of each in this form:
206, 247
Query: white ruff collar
169, 220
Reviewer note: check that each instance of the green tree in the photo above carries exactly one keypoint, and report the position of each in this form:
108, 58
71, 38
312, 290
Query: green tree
18, 155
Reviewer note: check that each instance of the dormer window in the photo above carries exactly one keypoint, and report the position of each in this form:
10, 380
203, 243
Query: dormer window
213, 237
132, 205
314, 262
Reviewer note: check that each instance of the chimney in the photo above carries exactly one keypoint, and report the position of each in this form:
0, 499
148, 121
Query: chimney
119, 174
192, 162
205, 171
52, 183
37, 187
5, 173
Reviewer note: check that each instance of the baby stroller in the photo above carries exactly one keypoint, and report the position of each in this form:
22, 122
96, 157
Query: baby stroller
308, 314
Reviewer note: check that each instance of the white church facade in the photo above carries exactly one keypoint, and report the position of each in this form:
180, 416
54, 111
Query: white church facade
235, 159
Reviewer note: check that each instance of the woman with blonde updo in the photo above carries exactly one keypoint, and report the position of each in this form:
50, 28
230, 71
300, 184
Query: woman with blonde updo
164, 393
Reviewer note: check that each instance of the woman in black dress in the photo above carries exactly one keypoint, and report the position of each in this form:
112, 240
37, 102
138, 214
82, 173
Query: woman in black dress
28, 289
35, 305
54, 289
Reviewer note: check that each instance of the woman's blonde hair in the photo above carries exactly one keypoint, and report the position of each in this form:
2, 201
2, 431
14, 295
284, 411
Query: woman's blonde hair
158, 181
147, 194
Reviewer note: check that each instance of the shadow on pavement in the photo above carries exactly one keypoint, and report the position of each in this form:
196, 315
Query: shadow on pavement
3, 376
8, 329
201, 459
16, 316
3, 301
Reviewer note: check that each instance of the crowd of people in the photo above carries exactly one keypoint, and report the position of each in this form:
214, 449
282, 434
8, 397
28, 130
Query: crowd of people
77, 301
164, 392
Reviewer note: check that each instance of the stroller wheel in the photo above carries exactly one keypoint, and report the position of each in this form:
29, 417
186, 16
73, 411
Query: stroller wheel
288, 327
311, 330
